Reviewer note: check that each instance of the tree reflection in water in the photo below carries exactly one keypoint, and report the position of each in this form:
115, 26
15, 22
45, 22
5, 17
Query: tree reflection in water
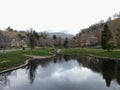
32, 67
4, 80
110, 69
66, 57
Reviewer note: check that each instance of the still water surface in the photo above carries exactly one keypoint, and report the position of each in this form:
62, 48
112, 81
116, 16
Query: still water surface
64, 73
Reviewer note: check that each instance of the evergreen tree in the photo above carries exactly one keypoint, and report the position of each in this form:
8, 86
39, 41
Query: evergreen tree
32, 35
36, 35
107, 38
55, 40
117, 38
59, 41
54, 37
66, 43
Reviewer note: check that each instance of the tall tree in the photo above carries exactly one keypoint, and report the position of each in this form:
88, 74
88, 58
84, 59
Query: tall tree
55, 40
54, 37
117, 37
107, 38
66, 43
36, 35
59, 41
31, 36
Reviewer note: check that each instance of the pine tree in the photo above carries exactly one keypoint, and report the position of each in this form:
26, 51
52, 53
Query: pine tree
66, 43
55, 40
32, 35
107, 38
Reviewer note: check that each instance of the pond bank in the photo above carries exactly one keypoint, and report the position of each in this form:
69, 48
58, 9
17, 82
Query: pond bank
31, 57
99, 57
16, 58
114, 55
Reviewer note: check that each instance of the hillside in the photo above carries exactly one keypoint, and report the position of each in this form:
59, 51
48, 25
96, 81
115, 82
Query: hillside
92, 35
12, 38
12, 34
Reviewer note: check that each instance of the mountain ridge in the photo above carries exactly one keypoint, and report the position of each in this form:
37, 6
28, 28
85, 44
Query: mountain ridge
60, 34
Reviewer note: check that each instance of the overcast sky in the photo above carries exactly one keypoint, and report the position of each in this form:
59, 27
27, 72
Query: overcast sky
69, 16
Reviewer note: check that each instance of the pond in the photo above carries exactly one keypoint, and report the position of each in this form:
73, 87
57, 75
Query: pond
64, 73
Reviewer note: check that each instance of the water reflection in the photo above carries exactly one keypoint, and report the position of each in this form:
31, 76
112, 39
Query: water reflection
4, 81
33, 65
110, 69
64, 73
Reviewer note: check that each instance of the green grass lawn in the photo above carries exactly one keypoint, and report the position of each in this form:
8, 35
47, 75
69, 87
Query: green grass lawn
14, 58
87, 51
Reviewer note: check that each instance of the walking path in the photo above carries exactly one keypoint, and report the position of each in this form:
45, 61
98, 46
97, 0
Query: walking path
39, 57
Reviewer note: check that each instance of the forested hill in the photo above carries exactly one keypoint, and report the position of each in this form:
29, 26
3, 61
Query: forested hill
92, 34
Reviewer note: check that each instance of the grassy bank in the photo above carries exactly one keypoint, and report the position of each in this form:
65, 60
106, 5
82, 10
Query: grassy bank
87, 51
14, 58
